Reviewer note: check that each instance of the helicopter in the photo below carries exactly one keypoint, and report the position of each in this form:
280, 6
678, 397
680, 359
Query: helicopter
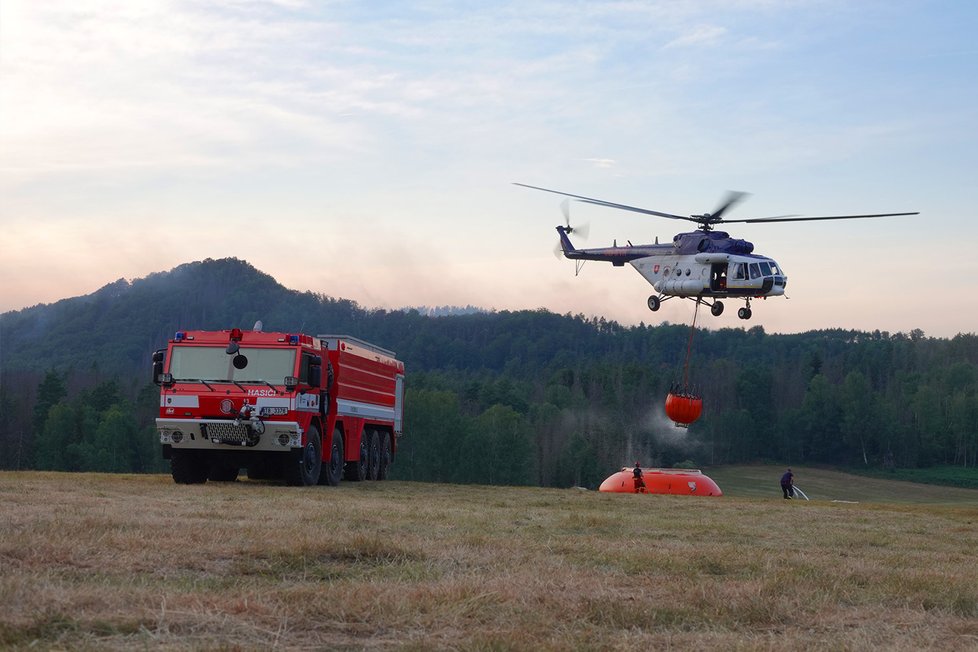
704, 265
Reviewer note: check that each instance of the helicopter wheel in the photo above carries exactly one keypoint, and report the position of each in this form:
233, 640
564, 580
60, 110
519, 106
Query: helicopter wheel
717, 308
654, 303
744, 313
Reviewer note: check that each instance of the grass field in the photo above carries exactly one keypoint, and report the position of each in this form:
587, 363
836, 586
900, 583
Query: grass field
122, 562
819, 484
953, 476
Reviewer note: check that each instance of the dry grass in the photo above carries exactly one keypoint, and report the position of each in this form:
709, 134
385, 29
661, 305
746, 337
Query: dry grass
122, 562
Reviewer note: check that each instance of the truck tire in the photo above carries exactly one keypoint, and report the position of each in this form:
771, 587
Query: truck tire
357, 469
188, 466
374, 455
386, 457
306, 463
333, 469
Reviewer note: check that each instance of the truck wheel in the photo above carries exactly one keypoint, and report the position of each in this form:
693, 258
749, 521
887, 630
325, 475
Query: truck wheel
222, 471
188, 466
333, 470
306, 463
374, 456
357, 470
385, 457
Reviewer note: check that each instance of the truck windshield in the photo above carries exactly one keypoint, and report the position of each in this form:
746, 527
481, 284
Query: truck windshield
214, 364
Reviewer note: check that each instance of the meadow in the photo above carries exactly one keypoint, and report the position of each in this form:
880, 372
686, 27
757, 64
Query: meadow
99, 561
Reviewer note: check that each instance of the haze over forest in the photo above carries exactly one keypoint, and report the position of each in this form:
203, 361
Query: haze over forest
524, 397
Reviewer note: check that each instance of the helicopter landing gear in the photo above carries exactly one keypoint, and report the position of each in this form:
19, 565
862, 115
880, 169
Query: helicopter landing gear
745, 312
717, 308
654, 303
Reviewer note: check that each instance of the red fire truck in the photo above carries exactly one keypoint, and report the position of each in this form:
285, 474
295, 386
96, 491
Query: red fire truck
311, 410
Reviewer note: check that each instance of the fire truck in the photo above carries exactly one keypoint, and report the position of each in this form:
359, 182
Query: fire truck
310, 410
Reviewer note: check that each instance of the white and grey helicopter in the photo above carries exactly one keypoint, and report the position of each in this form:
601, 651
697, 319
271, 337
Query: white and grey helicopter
703, 265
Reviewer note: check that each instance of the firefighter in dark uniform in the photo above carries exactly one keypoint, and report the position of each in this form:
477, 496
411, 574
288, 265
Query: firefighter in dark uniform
788, 484
639, 482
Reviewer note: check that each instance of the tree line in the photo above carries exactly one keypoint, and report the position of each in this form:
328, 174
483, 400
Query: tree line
525, 397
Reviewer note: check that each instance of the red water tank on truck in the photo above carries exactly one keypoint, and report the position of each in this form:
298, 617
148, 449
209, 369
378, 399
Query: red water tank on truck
311, 410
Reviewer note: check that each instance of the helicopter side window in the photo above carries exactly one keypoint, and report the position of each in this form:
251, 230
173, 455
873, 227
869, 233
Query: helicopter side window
739, 272
755, 271
765, 269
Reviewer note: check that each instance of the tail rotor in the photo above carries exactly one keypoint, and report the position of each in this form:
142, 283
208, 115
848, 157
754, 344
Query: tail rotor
564, 244
581, 231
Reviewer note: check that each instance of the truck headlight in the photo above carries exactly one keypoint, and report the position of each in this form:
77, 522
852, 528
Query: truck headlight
290, 438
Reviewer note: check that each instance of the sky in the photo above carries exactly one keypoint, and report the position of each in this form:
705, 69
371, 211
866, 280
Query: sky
367, 150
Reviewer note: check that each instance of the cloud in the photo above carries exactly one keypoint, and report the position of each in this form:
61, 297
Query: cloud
699, 35
177, 86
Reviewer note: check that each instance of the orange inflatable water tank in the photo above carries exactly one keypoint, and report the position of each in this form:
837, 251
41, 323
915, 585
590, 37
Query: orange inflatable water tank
679, 482
683, 409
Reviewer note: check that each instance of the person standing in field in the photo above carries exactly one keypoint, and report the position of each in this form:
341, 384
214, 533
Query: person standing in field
639, 482
788, 484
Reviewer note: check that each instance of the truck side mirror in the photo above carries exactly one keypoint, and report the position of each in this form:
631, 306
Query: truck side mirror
158, 358
316, 371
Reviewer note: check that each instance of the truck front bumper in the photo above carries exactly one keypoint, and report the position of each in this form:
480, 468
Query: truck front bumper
226, 434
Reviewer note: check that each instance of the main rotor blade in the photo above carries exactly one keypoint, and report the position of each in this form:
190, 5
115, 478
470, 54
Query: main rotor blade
733, 197
760, 220
601, 202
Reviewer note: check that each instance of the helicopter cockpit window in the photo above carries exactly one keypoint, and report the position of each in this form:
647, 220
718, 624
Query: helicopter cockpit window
739, 272
755, 271
765, 269
774, 268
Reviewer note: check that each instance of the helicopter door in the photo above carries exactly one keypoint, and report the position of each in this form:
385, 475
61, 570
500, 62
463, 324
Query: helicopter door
718, 277
738, 275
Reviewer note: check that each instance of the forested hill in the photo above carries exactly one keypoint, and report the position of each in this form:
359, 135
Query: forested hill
525, 396
117, 326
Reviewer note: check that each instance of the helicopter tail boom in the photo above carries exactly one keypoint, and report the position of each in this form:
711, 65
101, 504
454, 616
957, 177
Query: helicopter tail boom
565, 244
615, 255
